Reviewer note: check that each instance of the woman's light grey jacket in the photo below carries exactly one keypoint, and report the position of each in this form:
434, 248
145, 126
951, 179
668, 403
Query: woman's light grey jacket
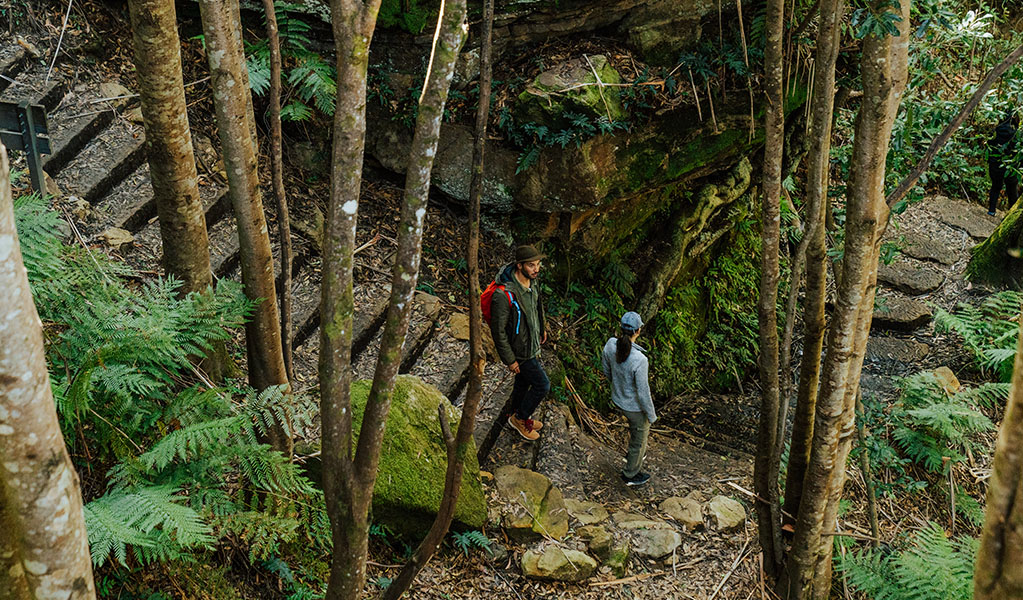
630, 389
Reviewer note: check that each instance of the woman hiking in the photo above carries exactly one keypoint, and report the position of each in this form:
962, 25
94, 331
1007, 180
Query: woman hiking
625, 364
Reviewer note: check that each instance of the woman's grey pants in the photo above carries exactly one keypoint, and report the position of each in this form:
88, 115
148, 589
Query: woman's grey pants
639, 430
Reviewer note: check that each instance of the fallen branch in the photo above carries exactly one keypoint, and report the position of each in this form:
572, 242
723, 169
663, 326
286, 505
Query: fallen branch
728, 575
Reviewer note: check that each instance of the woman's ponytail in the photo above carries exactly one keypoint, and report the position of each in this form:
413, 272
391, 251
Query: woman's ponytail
624, 346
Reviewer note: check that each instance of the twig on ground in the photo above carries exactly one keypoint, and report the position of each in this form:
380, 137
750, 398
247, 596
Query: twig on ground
56, 52
728, 575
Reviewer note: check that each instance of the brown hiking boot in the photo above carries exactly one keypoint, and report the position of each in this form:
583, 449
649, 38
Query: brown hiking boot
523, 428
535, 424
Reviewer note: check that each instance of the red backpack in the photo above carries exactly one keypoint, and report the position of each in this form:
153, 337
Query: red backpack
487, 297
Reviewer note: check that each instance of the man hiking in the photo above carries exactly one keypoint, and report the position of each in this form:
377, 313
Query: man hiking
518, 326
1001, 161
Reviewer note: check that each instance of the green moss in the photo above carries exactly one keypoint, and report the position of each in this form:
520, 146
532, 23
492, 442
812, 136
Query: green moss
413, 460
991, 261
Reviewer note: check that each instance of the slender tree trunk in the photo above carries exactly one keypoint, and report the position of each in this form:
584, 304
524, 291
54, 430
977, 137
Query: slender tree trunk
277, 167
186, 250
233, 106
766, 468
460, 445
884, 72
868, 479
997, 574
828, 38
353, 24
448, 41
40, 499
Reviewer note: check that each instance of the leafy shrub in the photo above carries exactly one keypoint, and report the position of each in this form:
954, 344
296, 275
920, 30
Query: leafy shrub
184, 465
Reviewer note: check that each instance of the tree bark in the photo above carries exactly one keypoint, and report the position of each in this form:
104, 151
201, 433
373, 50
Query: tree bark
461, 444
766, 467
884, 72
828, 39
277, 169
997, 575
353, 23
45, 551
236, 127
186, 250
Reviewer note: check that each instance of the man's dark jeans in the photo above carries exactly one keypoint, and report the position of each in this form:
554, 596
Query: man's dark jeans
999, 177
531, 385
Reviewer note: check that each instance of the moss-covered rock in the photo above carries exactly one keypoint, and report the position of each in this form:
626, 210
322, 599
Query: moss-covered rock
413, 460
533, 507
573, 87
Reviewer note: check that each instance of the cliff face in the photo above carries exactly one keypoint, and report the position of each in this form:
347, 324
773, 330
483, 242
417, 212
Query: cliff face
601, 153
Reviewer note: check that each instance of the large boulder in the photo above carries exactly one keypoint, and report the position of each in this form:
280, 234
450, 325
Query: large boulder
557, 564
413, 460
532, 506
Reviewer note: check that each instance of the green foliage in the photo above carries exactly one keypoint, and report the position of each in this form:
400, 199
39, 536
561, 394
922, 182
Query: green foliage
990, 330
534, 137
185, 468
932, 426
930, 567
311, 79
404, 14
470, 539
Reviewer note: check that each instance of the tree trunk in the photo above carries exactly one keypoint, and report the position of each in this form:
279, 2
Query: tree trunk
460, 445
40, 500
766, 468
993, 260
997, 575
447, 42
353, 23
233, 106
884, 73
277, 168
828, 39
186, 250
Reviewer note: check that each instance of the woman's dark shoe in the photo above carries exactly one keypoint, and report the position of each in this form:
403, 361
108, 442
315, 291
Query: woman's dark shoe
636, 480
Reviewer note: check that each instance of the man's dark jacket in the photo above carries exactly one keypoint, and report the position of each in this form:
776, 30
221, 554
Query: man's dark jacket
517, 330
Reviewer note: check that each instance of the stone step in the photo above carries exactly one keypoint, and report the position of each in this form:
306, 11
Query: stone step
149, 234
13, 59
898, 313
921, 247
896, 349
967, 216
29, 85
110, 157
425, 309
444, 364
910, 277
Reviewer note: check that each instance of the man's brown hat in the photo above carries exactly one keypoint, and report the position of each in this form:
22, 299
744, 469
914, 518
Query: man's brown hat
528, 254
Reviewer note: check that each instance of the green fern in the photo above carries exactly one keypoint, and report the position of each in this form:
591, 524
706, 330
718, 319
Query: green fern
989, 330
468, 540
931, 567
183, 458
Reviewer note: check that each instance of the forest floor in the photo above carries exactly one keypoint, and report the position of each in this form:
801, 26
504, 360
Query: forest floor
703, 444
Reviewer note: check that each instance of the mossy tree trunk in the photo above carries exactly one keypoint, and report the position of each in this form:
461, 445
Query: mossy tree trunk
997, 259
459, 445
232, 102
353, 477
766, 468
186, 249
44, 552
997, 574
822, 107
884, 68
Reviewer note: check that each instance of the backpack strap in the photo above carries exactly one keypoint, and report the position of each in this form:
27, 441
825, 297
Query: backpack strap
513, 302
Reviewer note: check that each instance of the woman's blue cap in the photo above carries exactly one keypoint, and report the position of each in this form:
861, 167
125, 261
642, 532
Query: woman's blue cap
631, 321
